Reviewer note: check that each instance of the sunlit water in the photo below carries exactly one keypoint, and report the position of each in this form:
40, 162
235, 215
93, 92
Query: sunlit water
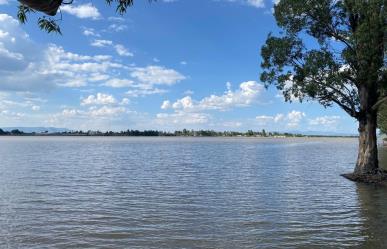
64, 192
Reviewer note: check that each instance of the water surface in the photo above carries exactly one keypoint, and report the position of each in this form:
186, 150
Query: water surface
89, 192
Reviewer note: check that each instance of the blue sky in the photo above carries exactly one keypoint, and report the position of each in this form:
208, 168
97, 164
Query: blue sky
166, 65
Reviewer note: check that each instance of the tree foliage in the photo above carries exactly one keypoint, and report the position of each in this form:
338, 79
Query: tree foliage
382, 119
49, 24
331, 51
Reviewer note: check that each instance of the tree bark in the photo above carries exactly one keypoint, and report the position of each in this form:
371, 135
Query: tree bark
367, 160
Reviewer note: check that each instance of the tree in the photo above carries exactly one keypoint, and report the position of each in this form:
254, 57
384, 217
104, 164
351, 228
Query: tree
333, 52
382, 118
50, 8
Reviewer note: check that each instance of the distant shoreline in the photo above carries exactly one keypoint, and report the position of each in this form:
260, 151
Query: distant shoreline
178, 133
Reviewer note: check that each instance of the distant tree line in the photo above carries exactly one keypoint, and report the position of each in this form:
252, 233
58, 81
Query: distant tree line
11, 133
156, 133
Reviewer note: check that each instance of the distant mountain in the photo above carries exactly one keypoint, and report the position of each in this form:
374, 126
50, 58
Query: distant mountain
36, 129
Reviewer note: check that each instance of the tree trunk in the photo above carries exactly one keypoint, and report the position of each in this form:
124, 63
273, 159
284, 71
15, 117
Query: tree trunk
367, 160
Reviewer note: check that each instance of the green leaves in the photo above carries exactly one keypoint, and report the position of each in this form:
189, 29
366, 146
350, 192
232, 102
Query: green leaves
22, 13
382, 118
122, 5
48, 25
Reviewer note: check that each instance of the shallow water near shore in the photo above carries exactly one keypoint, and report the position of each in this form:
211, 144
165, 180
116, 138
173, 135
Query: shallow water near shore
93, 192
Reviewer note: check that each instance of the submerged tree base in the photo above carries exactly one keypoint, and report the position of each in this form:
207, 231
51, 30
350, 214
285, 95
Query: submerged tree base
379, 177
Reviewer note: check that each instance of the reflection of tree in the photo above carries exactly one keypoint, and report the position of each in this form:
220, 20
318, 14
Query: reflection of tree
373, 209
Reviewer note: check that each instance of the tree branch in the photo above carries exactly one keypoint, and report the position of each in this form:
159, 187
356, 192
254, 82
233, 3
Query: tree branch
376, 106
349, 110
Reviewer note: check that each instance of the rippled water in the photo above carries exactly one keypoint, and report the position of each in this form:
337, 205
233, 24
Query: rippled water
185, 193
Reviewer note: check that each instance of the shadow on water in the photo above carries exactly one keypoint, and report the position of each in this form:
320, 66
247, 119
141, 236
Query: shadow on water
373, 209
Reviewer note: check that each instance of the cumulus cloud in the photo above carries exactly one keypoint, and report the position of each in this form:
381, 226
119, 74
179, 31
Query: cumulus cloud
82, 11
246, 95
35, 108
116, 27
141, 92
122, 51
106, 117
27, 66
289, 120
325, 122
19, 59
182, 118
101, 43
99, 99
189, 111
294, 118
106, 111
166, 104
118, 83
90, 32
256, 3
253, 3
157, 75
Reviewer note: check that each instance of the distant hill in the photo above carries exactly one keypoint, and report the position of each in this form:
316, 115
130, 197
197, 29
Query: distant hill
36, 129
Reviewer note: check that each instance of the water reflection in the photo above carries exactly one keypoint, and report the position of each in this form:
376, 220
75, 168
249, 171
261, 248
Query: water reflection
373, 209
373, 203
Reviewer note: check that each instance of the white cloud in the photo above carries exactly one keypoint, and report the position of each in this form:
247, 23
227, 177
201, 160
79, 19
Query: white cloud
189, 111
116, 19
325, 121
103, 118
122, 51
157, 75
90, 32
294, 118
125, 101
3, 2
279, 117
27, 66
138, 92
232, 124
117, 27
246, 95
256, 3
166, 104
35, 108
264, 120
101, 43
290, 120
253, 3
99, 99
182, 118
106, 111
118, 83
82, 11
45, 68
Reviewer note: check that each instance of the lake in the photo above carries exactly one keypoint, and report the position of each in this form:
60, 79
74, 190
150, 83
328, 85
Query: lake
101, 192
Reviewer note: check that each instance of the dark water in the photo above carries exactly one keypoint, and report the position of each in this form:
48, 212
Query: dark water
185, 193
